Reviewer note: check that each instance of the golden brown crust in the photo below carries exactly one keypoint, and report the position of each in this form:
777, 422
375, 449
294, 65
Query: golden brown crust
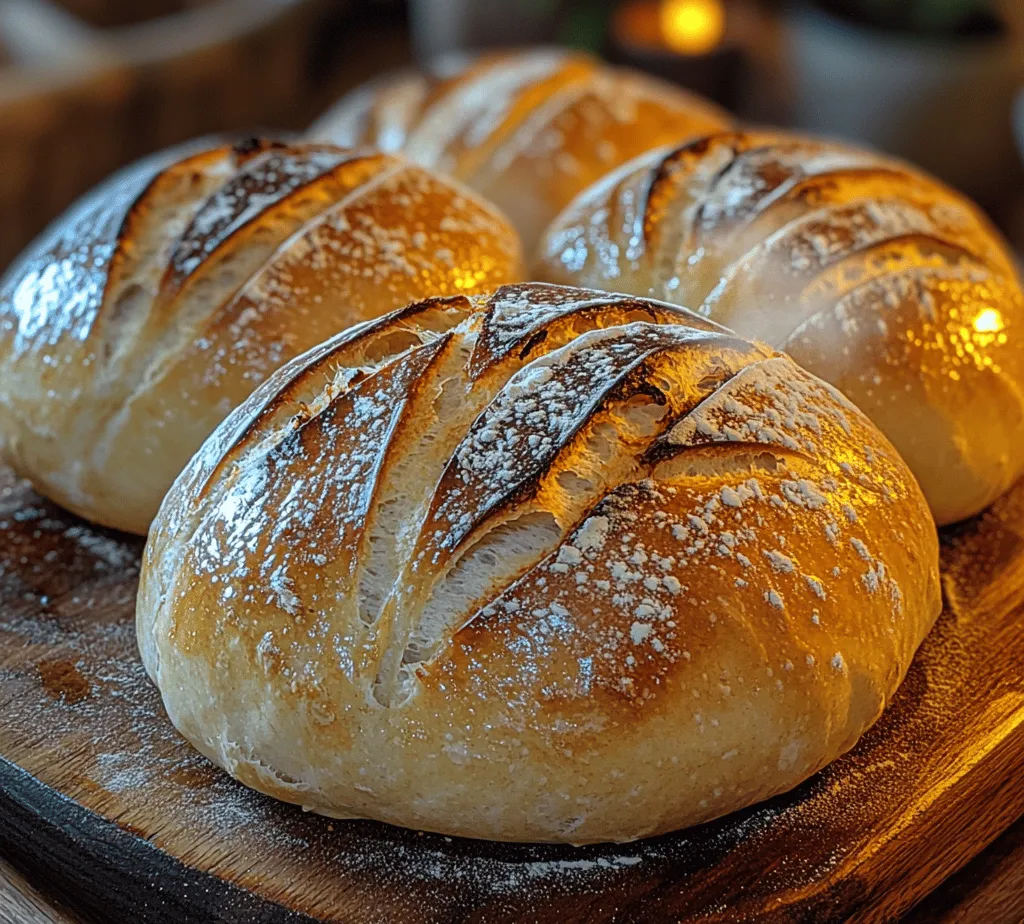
528, 129
165, 296
544, 565
837, 255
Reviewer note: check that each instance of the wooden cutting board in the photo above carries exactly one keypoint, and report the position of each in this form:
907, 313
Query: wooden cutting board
132, 824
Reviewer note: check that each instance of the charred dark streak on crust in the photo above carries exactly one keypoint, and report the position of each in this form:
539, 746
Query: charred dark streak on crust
660, 175
250, 147
410, 368
803, 186
641, 388
659, 449
514, 496
611, 504
617, 499
174, 279
231, 305
157, 165
425, 355
241, 154
132, 213
299, 429
315, 361
535, 341
694, 150
632, 381
809, 181
260, 418
430, 355
941, 245
743, 148
488, 351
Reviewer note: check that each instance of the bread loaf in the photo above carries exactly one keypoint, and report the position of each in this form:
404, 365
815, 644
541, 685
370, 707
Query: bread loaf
868, 273
159, 301
549, 565
527, 129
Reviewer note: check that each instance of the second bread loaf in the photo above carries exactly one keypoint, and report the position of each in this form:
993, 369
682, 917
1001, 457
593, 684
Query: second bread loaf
165, 296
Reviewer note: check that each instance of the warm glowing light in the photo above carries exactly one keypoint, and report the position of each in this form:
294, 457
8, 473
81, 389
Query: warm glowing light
472, 279
988, 321
692, 27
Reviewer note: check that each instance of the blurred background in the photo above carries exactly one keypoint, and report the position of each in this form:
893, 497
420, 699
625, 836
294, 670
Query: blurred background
89, 85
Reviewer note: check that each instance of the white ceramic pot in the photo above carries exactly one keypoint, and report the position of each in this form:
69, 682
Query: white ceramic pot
944, 104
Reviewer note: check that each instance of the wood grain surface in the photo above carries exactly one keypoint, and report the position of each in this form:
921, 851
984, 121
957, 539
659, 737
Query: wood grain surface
989, 890
98, 789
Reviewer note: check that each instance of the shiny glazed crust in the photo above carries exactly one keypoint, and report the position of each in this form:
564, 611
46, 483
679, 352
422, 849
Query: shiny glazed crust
548, 565
159, 301
527, 129
868, 273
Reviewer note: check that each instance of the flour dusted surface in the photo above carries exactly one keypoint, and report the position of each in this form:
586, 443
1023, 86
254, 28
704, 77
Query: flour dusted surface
60, 601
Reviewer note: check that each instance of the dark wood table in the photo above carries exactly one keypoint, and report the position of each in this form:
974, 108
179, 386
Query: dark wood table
989, 890
22, 903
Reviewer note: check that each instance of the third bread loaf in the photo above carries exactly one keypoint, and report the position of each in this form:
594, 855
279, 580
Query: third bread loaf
528, 129
866, 271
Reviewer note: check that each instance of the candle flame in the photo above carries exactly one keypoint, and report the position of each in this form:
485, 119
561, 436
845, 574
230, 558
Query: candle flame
692, 27
988, 321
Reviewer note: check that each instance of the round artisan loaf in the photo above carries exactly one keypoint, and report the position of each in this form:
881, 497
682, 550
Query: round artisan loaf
552, 565
867, 272
147, 312
528, 129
